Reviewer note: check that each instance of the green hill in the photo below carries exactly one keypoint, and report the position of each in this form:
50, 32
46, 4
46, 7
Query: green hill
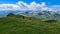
18, 25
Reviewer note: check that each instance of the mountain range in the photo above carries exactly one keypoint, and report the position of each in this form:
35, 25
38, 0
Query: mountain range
39, 14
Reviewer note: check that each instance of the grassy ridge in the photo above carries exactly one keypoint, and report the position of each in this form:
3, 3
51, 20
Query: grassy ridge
18, 25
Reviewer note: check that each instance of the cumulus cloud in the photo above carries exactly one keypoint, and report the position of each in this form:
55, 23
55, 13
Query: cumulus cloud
32, 6
43, 4
9, 6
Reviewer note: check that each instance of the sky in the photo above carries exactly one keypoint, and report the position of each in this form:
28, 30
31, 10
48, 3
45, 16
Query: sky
52, 2
30, 4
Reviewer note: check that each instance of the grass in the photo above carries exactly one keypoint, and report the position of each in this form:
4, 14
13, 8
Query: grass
18, 25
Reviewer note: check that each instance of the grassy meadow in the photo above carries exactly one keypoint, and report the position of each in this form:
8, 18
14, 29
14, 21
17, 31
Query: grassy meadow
18, 25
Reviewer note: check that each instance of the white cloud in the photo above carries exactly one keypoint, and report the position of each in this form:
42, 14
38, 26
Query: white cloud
9, 6
43, 4
20, 3
32, 6
23, 6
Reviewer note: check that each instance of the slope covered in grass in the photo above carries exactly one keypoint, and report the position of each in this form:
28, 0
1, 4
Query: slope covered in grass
18, 25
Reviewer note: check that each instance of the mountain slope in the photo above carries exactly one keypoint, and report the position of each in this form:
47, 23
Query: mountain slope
18, 25
39, 14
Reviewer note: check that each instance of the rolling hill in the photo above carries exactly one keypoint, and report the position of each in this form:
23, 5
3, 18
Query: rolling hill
17, 25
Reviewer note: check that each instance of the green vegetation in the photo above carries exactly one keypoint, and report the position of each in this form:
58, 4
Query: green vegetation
18, 25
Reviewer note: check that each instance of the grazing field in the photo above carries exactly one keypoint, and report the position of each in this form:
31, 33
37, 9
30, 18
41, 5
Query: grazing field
18, 25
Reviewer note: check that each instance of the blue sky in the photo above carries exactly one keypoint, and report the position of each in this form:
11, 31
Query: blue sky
31, 4
48, 2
